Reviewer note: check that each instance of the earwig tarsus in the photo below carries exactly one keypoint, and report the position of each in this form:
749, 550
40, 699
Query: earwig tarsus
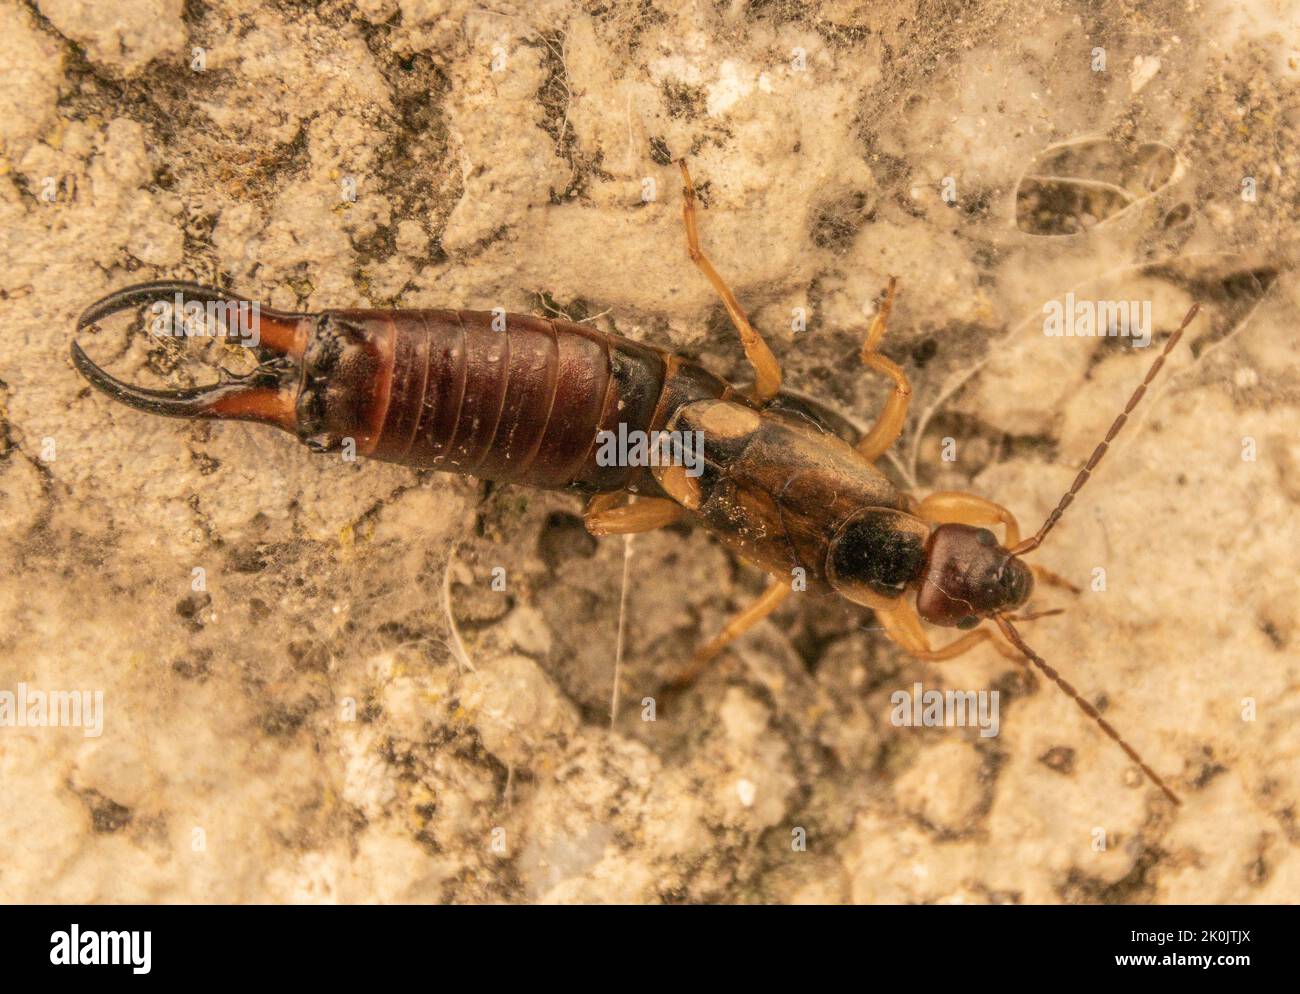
526, 403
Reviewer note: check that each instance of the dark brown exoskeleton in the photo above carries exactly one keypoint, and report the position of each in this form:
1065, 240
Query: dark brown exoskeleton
532, 401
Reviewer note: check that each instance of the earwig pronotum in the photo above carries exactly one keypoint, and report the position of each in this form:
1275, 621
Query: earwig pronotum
526, 403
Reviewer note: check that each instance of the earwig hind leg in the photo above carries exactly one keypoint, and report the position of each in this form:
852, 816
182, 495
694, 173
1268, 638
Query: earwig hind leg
767, 371
743, 621
951, 507
603, 517
903, 625
889, 425
680, 486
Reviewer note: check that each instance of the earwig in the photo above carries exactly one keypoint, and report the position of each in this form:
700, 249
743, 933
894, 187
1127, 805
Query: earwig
521, 399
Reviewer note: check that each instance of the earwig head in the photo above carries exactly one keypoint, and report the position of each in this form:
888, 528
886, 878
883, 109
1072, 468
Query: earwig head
968, 576
267, 394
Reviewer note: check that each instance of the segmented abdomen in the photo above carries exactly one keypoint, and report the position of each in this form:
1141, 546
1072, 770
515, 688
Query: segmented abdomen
525, 404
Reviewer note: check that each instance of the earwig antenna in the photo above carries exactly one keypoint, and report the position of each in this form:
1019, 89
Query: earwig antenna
1030, 544
1013, 636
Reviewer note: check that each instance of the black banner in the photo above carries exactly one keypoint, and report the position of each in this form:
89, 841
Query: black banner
133, 944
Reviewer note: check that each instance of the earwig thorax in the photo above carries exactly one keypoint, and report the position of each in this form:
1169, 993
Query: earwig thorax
875, 553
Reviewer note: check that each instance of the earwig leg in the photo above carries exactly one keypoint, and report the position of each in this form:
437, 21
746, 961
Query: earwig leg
681, 486
903, 625
643, 515
767, 371
889, 425
950, 507
603, 502
742, 622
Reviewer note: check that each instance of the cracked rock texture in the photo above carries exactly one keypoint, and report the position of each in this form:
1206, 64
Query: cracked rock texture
289, 714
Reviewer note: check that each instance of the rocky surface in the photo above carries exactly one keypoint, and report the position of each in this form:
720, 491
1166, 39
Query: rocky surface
313, 688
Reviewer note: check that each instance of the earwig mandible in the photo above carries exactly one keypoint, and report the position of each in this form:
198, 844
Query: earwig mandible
448, 390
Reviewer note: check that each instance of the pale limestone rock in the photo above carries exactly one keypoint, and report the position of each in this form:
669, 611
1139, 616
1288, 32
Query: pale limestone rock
123, 35
300, 728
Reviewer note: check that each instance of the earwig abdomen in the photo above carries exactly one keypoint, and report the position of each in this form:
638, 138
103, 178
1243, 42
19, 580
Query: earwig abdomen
510, 398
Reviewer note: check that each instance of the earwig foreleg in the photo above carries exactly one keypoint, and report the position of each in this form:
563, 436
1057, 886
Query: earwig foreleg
889, 425
642, 515
954, 507
951, 507
769, 601
903, 625
767, 371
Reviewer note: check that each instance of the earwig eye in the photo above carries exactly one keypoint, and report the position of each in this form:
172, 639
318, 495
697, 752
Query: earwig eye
986, 537
968, 622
